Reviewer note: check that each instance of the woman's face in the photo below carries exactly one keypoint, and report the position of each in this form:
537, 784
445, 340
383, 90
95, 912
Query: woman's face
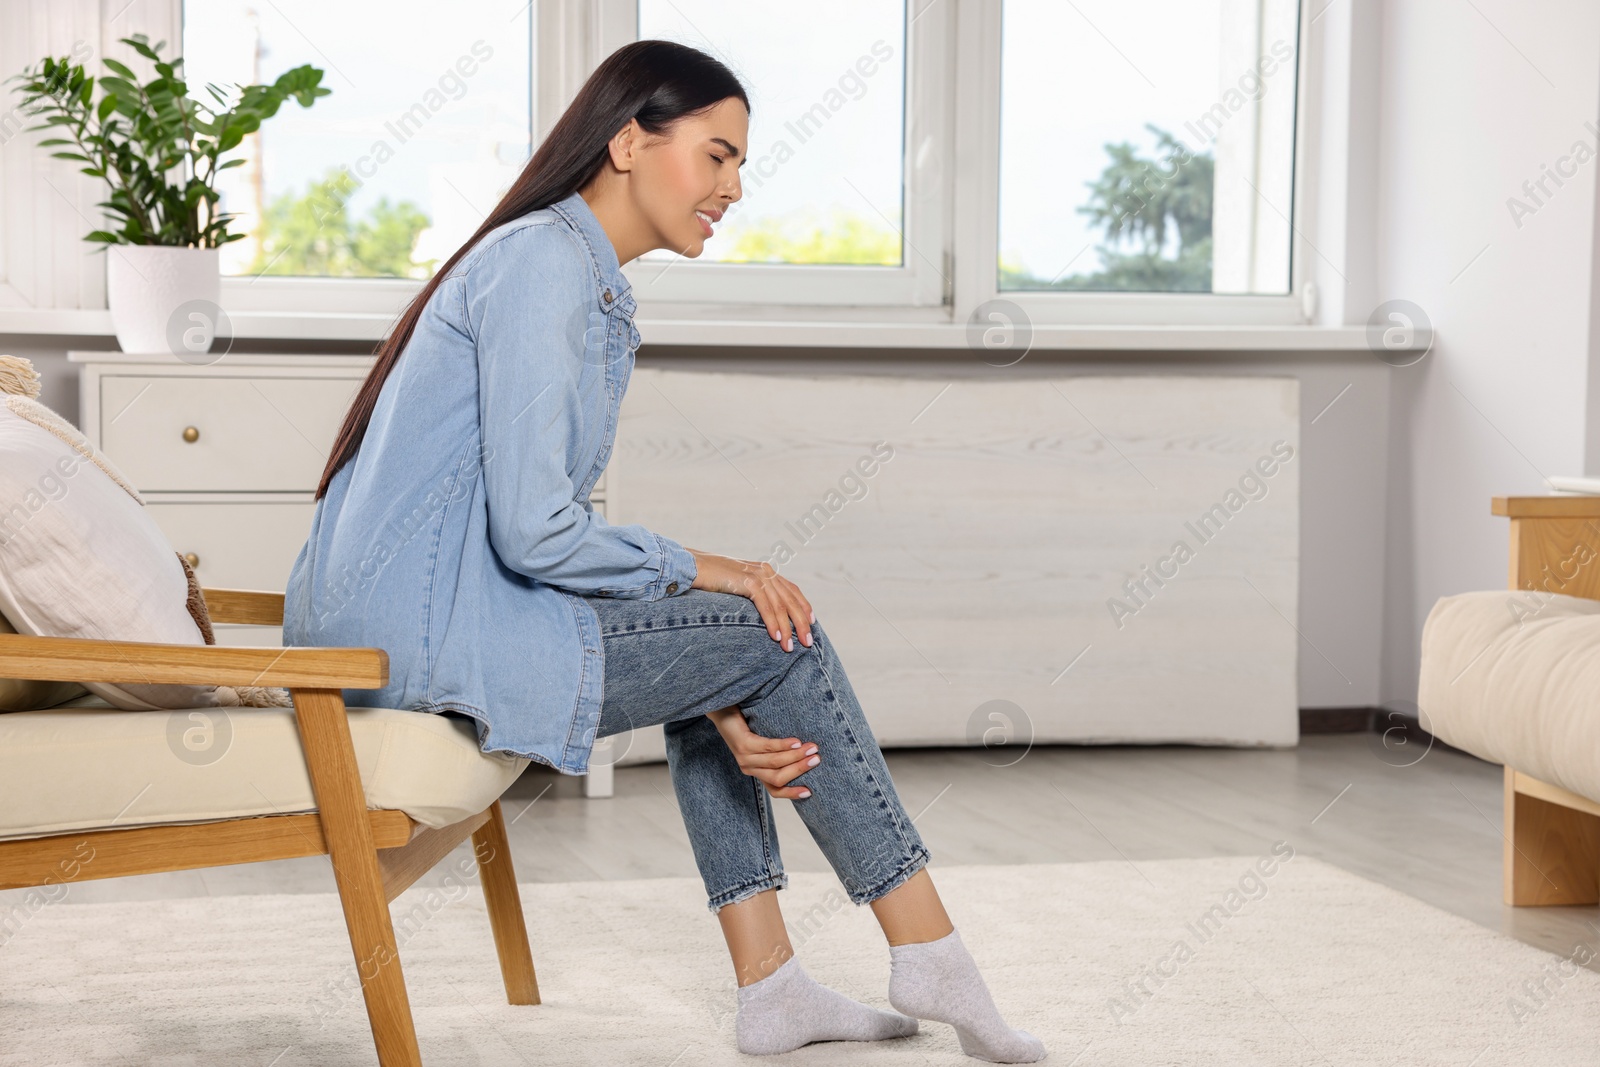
694, 172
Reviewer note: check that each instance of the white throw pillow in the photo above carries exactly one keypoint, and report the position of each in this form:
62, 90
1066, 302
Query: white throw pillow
79, 557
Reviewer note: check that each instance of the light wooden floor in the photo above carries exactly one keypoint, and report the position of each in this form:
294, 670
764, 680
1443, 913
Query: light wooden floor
1431, 829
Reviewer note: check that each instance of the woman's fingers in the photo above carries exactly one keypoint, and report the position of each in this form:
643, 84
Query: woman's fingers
788, 748
803, 609
786, 616
772, 761
785, 611
776, 778
790, 792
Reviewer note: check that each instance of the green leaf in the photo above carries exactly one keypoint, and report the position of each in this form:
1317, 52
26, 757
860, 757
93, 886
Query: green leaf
120, 87
141, 44
120, 68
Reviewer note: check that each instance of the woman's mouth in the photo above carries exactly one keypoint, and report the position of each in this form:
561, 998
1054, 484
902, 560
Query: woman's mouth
705, 222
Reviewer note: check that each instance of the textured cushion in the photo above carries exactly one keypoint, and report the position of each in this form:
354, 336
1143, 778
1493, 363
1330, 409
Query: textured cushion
90, 766
1514, 678
79, 557
20, 694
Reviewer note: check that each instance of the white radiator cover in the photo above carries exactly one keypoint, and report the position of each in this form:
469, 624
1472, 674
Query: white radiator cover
990, 550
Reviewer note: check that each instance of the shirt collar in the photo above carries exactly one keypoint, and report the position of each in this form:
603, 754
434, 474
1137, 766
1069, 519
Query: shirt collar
576, 210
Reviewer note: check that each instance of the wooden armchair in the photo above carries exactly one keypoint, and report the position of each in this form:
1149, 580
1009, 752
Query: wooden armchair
1552, 835
376, 854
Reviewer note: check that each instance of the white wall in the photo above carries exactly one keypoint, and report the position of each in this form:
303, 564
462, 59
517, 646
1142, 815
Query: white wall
1474, 98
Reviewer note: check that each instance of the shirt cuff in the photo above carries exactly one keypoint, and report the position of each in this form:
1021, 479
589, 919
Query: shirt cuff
678, 569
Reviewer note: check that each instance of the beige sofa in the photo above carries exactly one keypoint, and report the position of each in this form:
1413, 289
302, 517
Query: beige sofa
1513, 676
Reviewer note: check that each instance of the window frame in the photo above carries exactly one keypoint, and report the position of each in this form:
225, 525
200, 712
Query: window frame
288, 294
950, 269
922, 278
979, 75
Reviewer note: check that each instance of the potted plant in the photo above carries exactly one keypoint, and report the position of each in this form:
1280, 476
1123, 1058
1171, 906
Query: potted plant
160, 152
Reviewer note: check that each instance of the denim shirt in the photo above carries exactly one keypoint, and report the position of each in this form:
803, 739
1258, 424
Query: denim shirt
460, 537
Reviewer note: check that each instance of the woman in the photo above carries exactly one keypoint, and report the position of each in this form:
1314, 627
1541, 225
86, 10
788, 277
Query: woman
453, 529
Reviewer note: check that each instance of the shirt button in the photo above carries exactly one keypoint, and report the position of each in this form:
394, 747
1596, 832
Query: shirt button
672, 587
608, 296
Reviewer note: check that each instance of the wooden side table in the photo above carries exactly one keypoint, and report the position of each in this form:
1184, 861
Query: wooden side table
1552, 835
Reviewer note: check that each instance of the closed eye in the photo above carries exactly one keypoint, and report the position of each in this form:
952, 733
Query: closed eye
716, 157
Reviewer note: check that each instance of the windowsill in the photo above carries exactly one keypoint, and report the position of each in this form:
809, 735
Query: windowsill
331, 326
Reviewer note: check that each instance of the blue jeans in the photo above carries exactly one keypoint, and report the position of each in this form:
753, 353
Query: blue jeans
671, 661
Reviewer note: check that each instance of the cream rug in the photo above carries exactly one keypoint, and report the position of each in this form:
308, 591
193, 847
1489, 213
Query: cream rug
1310, 965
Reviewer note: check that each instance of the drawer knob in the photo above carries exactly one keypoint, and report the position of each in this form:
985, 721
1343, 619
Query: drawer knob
191, 559
191, 434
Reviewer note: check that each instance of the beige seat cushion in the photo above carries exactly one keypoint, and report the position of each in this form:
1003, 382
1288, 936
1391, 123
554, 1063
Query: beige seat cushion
89, 766
1514, 678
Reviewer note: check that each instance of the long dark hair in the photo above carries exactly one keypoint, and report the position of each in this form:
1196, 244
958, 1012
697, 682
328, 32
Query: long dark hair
656, 82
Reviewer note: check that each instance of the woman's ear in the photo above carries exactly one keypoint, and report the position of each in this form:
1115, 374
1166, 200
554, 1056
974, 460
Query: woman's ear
622, 145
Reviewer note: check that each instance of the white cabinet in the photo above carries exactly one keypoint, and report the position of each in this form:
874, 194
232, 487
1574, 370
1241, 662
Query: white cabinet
261, 433
227, 456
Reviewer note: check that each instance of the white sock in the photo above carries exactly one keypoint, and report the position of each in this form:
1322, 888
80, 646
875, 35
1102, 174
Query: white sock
788, 1008
939, 980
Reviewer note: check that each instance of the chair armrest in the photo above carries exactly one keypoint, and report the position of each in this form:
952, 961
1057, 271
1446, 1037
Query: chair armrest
244, 606
72, 659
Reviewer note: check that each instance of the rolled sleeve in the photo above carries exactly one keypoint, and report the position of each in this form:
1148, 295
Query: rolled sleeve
527, 303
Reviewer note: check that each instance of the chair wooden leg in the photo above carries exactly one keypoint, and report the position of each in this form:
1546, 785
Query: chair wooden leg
1552, 852
504, 904
342, 805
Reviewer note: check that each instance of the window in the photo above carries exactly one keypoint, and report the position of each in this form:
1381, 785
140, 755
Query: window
1147, 147
841, 203
427, 124
824, 182
910, 161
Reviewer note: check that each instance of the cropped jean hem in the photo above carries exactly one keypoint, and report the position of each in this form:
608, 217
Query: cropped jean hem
918, 860
746, 890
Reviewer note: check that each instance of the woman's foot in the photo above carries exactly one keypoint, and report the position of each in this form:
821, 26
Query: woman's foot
788, 1008
939, 980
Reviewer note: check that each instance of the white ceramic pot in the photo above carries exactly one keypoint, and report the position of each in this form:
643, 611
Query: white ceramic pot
155, 293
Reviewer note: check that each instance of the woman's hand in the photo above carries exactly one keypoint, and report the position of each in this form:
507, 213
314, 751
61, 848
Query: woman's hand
783, 607
773, 761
